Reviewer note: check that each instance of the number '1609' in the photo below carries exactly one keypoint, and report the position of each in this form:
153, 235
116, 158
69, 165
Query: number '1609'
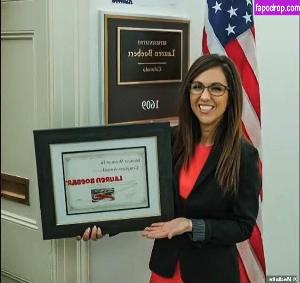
150, 104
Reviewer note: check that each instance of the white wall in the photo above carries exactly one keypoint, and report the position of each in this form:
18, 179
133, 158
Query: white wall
278, 62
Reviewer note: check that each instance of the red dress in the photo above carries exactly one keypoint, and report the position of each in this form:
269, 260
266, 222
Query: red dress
187, 179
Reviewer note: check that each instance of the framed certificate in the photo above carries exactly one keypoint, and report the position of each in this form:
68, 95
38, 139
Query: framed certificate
115, 177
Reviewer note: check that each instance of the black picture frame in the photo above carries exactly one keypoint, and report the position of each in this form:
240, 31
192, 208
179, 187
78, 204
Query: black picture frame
70, 201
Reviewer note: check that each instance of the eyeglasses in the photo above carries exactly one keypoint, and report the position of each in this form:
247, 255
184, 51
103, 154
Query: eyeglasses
215, 89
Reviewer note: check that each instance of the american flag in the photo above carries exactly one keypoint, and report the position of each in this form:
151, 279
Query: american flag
229, 30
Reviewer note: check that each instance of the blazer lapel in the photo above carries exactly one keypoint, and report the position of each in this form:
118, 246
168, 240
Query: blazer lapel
209, 166
176, 186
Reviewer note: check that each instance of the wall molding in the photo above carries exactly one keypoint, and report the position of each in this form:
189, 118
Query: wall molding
14, 277
19, 219
68, 86
83, 262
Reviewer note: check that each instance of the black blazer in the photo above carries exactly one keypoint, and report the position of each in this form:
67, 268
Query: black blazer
228, 220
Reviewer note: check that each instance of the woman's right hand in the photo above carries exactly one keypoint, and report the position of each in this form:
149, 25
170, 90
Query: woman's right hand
94, 234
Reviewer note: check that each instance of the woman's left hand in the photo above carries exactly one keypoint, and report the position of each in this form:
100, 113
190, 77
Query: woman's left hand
168, 229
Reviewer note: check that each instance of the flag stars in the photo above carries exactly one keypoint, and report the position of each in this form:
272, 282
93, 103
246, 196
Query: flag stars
232, 11
217, 7
249, 2
230, 29
247, 18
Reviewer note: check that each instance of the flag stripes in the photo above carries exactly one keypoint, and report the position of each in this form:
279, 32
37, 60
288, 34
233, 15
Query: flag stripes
250, 84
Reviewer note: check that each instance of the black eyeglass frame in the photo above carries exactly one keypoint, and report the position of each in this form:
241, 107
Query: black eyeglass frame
208, 88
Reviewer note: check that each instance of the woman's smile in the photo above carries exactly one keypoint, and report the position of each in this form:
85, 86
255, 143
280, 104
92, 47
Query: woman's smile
206, 108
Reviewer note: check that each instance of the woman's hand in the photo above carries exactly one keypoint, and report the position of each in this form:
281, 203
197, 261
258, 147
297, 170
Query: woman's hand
168, 229
93, 234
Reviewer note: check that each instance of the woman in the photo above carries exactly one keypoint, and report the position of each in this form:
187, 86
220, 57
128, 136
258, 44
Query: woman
216, 182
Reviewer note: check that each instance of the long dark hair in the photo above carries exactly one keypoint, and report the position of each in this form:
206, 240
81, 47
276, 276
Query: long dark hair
228, 134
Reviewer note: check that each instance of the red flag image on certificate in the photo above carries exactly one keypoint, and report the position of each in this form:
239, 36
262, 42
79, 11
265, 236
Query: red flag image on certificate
102, 194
